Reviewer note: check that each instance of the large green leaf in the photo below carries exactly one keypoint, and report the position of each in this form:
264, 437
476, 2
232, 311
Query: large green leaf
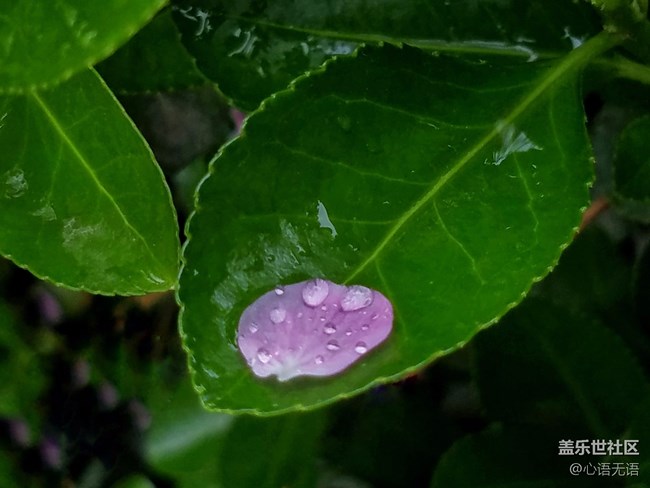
540, 365
46, 42
82, 201
511, 458
254, 48
450, 186
153, 60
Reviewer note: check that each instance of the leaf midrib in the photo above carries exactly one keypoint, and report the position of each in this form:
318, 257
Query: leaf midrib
574, 60
86, 165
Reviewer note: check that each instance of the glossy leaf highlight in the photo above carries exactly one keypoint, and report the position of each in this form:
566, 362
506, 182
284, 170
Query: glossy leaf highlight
252, 48
448, 185
82, 201
46, 42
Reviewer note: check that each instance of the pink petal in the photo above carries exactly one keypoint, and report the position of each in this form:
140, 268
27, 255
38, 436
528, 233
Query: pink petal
312, 328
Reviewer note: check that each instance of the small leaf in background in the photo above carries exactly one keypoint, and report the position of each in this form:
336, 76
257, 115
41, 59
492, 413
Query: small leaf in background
513, 457
252, 49
272, 452
632, 170
82, 201
199, 448
161, 60
46, 42
448, 185
184, 441
543, 364
312, 328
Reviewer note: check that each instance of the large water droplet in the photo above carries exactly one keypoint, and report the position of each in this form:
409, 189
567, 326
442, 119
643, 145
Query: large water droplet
361, 348
329, 328
263, 355
278, 315
279, 290
357, 297
315, 292
333, 345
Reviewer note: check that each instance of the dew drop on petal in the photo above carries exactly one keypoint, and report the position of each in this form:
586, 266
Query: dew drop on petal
329, 328
333, 345
313, 342
279, 290
263, 355
361, 348
357, 297
315, 292
278, 315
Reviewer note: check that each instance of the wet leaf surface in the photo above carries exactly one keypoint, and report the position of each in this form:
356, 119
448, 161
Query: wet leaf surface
448, 185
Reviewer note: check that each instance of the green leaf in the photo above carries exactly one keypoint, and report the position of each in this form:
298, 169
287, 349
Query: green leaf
632, 170
153, 60
46, 42
184, 440
542, 364
391, 436
199, 448
591, 278
267, 453
510, 458
450, 186
82, 201
252, 48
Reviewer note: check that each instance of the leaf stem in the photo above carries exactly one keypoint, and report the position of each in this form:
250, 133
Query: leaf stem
623, 67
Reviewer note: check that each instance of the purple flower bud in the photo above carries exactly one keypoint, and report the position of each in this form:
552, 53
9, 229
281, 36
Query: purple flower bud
312, 328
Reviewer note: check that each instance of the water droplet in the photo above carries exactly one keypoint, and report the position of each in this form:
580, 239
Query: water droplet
329, 328
365, 327
324, 308
323, 319
361, 348
333, 345
263, 355
300, 314
278, 315
252, 328
375, 316
279, 290
315, 292
348, 332
345, 122
319, 359
357, 297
